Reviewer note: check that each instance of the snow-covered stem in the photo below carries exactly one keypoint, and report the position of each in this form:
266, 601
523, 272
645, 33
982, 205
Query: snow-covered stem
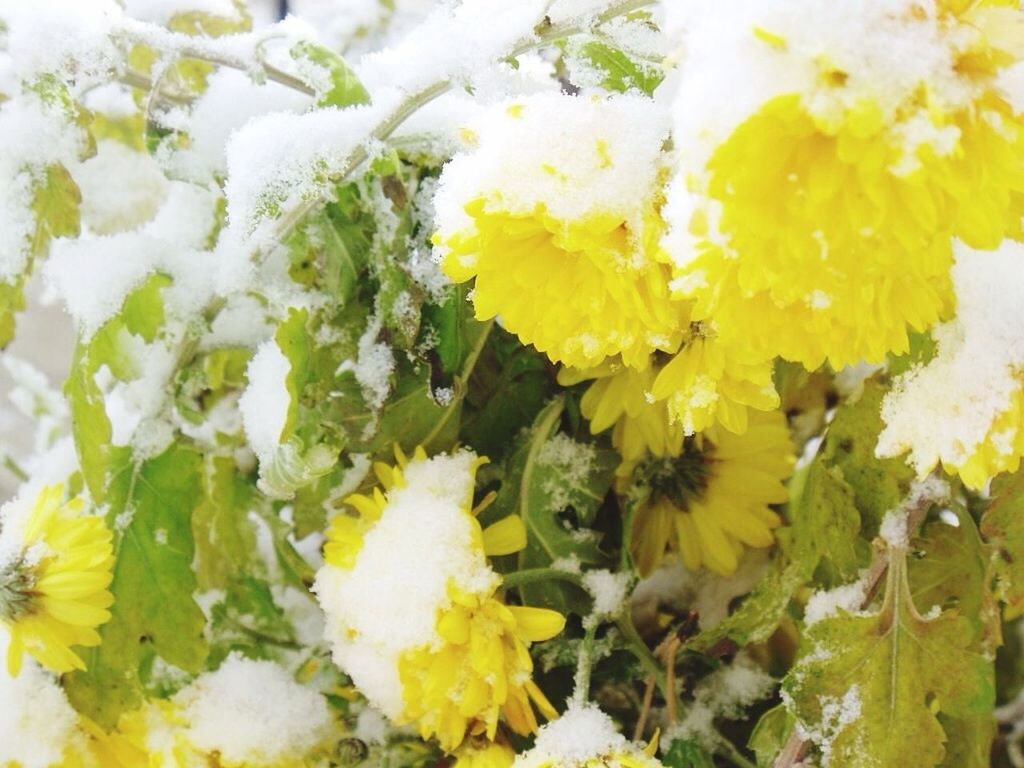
214, 51
584, 664
544, 34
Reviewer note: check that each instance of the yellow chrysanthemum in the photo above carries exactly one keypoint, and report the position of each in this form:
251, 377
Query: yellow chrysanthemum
475, 665
53, 590
555, 214
484, 754
838, 207
579, 291
715, 497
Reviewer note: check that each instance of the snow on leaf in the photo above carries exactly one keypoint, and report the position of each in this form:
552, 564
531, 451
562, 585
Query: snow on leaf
869, 688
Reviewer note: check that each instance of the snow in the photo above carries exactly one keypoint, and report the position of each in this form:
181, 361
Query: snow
569, 463
161, 11
574, 156
725, 693
67, 37
836, 715
373, 366
389, 601
38, 726
230, 101
825, 604
581, 734
609, 591
279, 160
134, 200
253, 713
266, 400
942, 411
372, 727
36, 136
452, 43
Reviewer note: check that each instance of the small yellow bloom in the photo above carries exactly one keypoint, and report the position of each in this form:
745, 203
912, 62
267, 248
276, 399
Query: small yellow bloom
470, 667
620, 397
53, 593
715, 498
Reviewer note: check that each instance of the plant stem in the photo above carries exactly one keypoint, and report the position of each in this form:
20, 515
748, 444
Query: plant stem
533, 575
584, 664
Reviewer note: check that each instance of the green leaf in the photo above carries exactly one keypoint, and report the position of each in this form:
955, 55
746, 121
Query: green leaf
293, 339
1002, 524
873, 685
825, 525
759, 615
526, 491
55, 207
248, 619
770, 735
141, 314
968, 740
878, 484
509, 387
621, 73
224, 535
334, 81
952, 570
683, 753
150, 509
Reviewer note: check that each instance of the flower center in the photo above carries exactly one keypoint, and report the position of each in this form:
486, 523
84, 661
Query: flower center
681, 478
16, 590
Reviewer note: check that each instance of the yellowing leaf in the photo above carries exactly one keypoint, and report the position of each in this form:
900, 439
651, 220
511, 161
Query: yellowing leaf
869, 688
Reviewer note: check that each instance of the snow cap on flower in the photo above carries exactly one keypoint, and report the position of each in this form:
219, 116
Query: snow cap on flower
964, 409
555, 212
584, 737
412, 615
834, 149
38, 726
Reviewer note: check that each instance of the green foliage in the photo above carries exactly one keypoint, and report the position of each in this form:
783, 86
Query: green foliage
150, 509
1003, 526
875, 684
683, 753
538, 491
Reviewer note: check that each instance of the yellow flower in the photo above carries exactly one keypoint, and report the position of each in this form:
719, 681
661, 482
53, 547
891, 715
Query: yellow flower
620, 398
838, 206
484, 754
653, 409
706, 384
53, 592
482, 668
556, 216
715, 497
469, 664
